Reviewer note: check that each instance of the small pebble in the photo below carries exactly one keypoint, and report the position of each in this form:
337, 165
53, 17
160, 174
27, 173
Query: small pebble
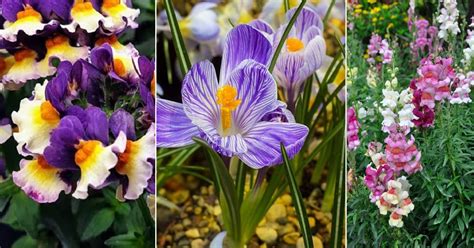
217, 210
179, 197
198, 211
266, 234
317, 243
288, 228
187, 222
291, 238
193, 233
312, 222
276, 211
198, 243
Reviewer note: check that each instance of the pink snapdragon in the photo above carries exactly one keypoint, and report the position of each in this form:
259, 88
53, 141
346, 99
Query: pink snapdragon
352, 129
462, 88
376, 180
425, 36
402, 153
379, 50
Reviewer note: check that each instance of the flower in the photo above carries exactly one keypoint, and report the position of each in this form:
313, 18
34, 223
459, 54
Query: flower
376, 179
352, 129
379, 50
462, 88
201, 24
396, 200
448, 19
228, 113
402, 154
81, 142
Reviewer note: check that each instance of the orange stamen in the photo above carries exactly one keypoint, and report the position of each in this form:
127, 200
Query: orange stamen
24, 54
29, 11
119, 68
226, 98
124, 158
57, 40
49, 113
84, 150
294, 44
108, 39
110, 3
43, 163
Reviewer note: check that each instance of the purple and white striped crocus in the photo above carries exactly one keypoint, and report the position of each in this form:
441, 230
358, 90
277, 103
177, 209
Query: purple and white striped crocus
302, 54
229, 113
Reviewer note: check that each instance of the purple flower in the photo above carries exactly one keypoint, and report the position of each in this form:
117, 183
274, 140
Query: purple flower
352, 129
228, 113
376, 179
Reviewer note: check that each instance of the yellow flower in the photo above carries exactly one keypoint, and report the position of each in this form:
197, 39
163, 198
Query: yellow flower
357, 11
372, 1
374, 19
390, 26
385, 6
358, 6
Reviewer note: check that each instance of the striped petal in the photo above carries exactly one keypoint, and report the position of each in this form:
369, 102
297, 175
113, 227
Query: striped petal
173, 127
263, 142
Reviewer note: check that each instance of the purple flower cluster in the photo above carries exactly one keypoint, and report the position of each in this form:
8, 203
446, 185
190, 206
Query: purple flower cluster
379, 51
90, 119
425, 37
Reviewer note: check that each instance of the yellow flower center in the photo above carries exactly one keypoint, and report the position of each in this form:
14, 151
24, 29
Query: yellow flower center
124, 157
226, 98
29, 11
85, 149
81, 6
49, 113
294, 44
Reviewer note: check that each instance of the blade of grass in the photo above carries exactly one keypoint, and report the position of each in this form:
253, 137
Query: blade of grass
328, 13
240, 181
181, 52
173, 151
285, 34
287, 5
297, 200
331, 134
338, 214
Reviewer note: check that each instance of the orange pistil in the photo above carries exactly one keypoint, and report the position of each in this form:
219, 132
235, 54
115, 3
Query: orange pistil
24, 54
29, 11
49, 113
84, 150
226, 98
294, 44
124, 158
57, 40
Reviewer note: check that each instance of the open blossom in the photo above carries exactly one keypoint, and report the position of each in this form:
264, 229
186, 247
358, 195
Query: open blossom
376, 179
401, 153
396, 200
425, 38
462, 88
397, 107
228, 112
379, 50
352, 129
448, 19
374, 151
302, 54
469, 50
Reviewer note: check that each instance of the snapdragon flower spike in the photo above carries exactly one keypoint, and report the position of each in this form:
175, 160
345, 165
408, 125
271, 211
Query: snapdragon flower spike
396, 200
448, 19
228, 113
352, 129
461, 86
134, 156
35, 119
379, 51
374, 151
21, 16
39, 180
80, 142
302, 54
425, 38
401, 153
376, 180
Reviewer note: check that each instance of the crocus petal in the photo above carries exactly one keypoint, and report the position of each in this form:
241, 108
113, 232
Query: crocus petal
263, 142
135, 164
202, 23
257, 91
5, 133
287, 71
243, 42
199, 96
35, 120
174, 128
262, 26
94, 167
313, 54
306, 19
39, 180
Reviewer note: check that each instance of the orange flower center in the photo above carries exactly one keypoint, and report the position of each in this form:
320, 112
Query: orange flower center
108, 39
57, 40
226, 98
123, 158
49, 113
294, 44
84, 150
81, 6
29, 11
119, 68
152, 86
24, 54
110, 3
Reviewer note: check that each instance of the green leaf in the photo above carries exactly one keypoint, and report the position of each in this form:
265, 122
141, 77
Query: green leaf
100, 222
124, 240
8, 188
297, 200
226, 191
25, 242
285, 34
26, 212
338, 213
181, 52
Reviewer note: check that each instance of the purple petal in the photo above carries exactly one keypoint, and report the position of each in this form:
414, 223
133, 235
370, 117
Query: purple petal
61, 8
243, 42
102, 58
313, 54
263, 142
288, 71
10, 8
306, 19
123, 121
56, 90
262, 26
147, 68
60, 153
199, 96
173, 127
97, 126
257, 91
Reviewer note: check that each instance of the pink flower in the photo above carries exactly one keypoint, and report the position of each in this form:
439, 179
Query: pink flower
376, 180
352, 129
402, 153
379, 50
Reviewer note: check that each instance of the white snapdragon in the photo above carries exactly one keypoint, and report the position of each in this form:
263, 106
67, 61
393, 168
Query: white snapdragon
448, 19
